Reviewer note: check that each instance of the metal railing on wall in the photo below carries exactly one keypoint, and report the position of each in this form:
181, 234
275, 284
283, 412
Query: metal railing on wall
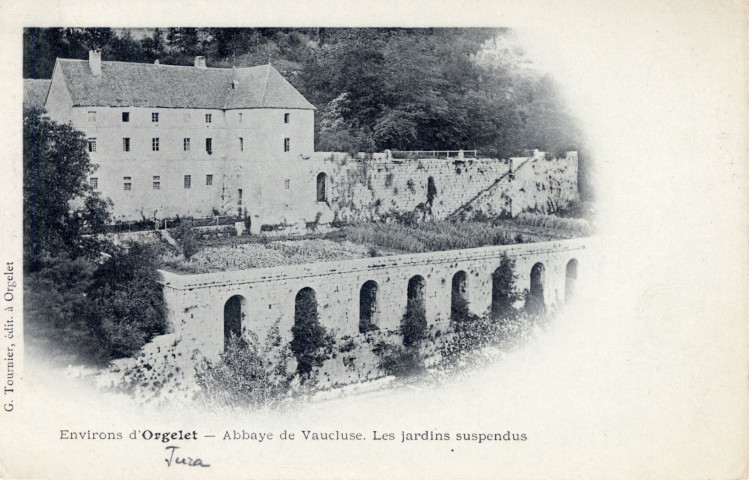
446, 154
161, 224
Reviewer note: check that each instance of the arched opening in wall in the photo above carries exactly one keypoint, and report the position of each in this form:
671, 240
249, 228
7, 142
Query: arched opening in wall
459, 297
570, 279
534, 303
322, 181
308, 336
368, 307
414, 323
235, 310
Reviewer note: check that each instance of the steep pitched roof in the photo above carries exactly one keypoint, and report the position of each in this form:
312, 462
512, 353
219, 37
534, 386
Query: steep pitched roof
35, 92
123, 84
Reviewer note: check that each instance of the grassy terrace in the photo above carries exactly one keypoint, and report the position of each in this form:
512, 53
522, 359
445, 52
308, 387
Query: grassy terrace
371, 240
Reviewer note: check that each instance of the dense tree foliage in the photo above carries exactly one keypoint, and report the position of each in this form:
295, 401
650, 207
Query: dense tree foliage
74, 305
59, 205
504, 290
309, 338
95, 313
127, 301
374, 88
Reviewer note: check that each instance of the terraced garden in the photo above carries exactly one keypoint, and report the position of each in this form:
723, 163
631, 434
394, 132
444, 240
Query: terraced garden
370, 240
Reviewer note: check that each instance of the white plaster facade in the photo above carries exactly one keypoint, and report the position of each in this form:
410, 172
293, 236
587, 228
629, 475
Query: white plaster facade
145, 153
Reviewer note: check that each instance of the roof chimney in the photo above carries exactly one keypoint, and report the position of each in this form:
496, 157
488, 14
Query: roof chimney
94, 62
199, 62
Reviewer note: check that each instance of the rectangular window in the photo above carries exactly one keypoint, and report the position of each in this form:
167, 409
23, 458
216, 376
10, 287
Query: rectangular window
125, 116
186, 144
287, 184
286, 117
155, 117
91, 144
127, 183
240, 117
125, 144
209, 179
208, 118
188, 181
155, 144
209, 145
157, 182
286, 144
92, 116
93, 182
241, 144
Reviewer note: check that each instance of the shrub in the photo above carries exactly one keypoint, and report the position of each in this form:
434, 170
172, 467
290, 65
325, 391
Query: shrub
410, 185
399, 361
389, 179
245, 375
504, 290
366, 327
188, 239
459, 311
309, 337
414, 323
347, 345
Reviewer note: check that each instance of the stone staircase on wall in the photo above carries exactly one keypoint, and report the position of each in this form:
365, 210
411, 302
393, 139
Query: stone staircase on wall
485, 192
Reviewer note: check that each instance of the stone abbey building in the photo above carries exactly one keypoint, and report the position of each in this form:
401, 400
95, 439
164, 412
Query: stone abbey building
174, 140
196, 141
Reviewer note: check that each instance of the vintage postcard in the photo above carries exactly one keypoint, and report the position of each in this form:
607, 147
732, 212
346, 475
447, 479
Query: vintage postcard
362, 241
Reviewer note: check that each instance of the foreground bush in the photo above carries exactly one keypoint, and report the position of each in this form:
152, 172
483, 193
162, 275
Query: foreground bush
78, 310
399, 361
246, 375
57, 316
126, 302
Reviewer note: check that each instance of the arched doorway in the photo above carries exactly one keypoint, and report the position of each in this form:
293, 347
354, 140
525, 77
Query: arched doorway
322, 191
535, 303
305, 306
414, 322
368, 307
308, 336
459, 297
235, 310
570, 280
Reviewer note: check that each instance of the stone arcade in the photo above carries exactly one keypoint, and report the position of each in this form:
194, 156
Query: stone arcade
205, 308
